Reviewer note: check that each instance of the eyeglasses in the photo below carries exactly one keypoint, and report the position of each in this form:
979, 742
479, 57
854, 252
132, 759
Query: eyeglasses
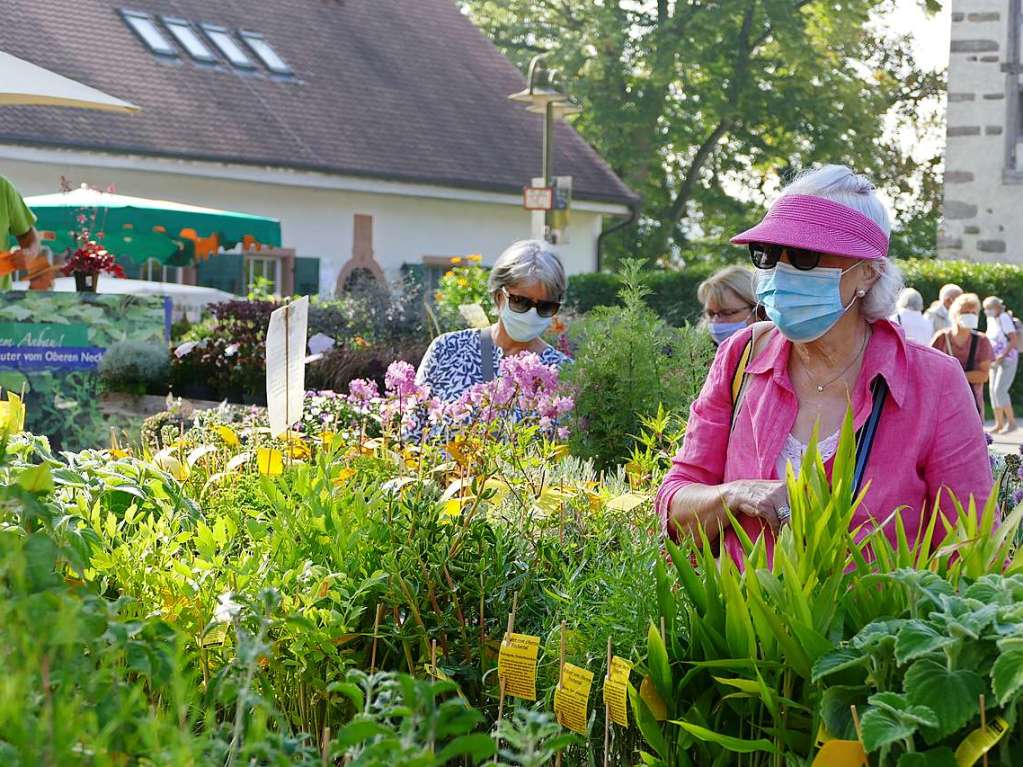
522, 304
765, 256
712, 316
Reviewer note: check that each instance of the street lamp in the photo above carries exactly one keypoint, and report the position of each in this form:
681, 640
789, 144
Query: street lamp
542, 95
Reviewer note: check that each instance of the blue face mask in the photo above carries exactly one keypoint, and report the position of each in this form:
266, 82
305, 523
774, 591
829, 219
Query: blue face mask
719, 331
804, 305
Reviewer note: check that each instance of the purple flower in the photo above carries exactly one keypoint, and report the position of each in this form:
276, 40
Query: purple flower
361, 391
1017, 497
989, 438
400, 379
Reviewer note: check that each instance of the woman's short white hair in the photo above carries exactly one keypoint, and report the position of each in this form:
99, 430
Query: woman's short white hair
910, 298
840, 184
529, 261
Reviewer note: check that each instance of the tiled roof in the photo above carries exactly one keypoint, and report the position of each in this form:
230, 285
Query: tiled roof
406, 90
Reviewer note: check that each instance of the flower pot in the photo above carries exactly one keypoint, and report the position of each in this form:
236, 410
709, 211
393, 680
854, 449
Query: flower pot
85, 282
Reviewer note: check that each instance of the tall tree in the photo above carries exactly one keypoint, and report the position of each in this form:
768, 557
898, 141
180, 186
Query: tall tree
701, 105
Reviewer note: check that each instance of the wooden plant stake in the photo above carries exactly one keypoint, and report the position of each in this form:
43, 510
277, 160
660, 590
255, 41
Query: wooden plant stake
433, 658
500, 701
561, 677
607, 710
325, 752
983, 723
859, 733
376, 631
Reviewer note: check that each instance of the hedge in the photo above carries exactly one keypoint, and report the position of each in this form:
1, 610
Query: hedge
673, 294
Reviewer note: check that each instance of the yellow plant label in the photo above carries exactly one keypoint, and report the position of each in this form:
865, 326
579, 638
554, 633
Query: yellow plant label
616, 687
980, 741
626, 502
648, 692
516, 665
270, 461
572, 697
840, 753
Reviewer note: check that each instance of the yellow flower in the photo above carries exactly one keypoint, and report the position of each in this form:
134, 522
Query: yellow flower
12, 414
462, 282
296, 448
475, 258
456, 260
449, 273
228, 435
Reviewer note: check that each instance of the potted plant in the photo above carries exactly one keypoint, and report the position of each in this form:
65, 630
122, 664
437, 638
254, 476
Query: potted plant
88, 261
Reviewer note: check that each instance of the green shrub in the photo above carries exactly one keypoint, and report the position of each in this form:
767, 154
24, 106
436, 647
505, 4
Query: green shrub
628, 363
134, 367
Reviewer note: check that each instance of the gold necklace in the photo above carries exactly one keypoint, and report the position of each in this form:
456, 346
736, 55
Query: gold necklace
823, 386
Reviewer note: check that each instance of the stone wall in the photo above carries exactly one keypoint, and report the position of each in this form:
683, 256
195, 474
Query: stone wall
983, 205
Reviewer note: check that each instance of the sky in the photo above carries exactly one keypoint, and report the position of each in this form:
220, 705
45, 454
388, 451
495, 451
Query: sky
930, 34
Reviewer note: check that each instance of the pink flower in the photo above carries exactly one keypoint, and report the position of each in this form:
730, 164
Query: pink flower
400, 379
361, 391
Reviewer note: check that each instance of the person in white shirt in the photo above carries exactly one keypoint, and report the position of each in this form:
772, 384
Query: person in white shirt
1001, 330
938, 313
909, 314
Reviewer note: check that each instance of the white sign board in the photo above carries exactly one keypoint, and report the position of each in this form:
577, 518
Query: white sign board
538, 197
285, 365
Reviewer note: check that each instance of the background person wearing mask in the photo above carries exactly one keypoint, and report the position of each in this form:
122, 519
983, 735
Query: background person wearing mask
909, 314
1001, 331
728, 302
828, 285
938, 312
962, 341
528, 285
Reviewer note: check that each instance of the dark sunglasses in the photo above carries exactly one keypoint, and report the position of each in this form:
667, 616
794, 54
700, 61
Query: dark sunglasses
765, 256
521, 305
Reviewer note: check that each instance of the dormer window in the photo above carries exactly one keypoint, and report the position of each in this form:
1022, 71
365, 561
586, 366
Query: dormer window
186, 35
144, 26
266, 53
221, 37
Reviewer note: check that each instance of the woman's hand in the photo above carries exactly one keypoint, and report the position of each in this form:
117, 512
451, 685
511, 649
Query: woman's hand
761, 498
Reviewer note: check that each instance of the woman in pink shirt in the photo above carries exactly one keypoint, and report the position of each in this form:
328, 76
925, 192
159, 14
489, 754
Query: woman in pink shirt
824, 277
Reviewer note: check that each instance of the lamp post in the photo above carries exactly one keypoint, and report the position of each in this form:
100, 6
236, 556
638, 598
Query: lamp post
543, 96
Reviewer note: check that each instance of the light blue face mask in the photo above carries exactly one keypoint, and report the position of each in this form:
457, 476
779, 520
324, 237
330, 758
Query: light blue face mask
803, 305
720, 331
523, 327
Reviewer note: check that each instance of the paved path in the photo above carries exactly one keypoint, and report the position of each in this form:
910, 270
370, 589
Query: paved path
1006, 443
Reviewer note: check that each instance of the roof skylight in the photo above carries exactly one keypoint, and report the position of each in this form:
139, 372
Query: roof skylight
146, 29
221, 38
189, 39
266, 53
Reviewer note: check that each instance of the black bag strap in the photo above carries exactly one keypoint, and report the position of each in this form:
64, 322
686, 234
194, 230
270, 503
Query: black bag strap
487, 354
865, 436
971, 360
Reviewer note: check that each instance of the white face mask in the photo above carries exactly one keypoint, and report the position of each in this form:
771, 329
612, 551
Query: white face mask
969, 321
523, 327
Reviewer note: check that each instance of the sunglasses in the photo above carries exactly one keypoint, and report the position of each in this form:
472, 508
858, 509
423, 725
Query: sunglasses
765, 256
522, 304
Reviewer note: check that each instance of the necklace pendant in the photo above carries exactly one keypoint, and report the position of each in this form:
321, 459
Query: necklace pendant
820, 388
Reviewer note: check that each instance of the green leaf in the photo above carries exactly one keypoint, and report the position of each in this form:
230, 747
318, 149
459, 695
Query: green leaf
882, 727
835, 709
359, 731
36, 479
953, 695
660, 668
917, 638
936, 757
1007, 675
648, 726
733, 744
835, 661
477, 747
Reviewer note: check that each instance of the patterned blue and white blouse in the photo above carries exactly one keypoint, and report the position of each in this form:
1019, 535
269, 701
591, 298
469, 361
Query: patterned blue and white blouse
453, 363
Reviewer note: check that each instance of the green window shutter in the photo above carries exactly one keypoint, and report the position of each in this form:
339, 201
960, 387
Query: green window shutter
222, 271
307, 276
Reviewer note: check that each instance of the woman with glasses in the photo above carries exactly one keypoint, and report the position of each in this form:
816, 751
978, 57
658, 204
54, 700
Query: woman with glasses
971, 348
824, 277
728, 302
528, 285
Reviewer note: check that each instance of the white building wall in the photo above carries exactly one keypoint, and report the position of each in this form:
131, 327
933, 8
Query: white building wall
983, 201
317, 220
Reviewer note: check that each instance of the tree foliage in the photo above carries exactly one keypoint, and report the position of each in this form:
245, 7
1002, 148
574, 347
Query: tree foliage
701, 106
